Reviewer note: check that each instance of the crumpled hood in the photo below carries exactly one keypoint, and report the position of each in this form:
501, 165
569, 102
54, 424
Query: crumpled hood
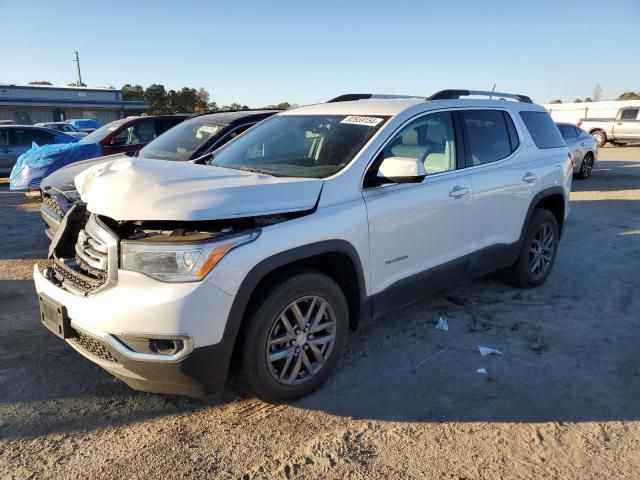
148, 189
62, 179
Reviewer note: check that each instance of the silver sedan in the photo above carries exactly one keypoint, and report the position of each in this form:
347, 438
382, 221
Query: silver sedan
582, 146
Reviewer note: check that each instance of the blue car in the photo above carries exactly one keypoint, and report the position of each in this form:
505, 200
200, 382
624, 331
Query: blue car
17, 139
86, 125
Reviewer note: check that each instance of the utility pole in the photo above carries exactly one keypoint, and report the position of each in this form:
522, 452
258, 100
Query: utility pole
77, 60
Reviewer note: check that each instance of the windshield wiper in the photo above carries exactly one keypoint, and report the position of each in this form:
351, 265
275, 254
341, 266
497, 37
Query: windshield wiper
255, 170
201, 160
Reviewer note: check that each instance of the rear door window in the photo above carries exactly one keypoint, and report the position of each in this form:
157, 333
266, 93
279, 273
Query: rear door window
543, 130
490, 136
568, 132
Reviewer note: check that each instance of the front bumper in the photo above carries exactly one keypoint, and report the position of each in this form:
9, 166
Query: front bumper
141, 307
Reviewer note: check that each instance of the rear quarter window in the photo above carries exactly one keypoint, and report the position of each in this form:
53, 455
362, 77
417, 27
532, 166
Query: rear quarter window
543, 130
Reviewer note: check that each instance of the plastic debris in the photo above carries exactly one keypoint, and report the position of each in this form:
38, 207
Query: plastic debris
429, 358
481, 371
484, 351
442, 324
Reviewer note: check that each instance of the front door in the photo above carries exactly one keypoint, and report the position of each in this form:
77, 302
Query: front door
627, 127
419, 233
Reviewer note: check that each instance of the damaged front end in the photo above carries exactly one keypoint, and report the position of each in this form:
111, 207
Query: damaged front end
88, 249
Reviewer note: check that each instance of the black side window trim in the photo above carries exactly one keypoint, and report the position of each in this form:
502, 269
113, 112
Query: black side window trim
514, 140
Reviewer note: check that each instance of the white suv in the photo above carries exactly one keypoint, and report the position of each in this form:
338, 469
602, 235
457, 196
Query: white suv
263, 257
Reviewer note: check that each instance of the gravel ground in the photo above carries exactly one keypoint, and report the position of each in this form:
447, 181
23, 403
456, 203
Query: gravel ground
406, 400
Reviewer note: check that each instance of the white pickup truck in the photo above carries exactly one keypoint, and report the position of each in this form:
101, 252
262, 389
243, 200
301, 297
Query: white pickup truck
624, 128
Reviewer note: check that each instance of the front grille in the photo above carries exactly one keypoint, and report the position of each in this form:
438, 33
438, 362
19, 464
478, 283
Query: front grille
52, 204
93, 347
93, 266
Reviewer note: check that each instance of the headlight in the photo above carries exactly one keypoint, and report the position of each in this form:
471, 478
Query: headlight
72, 195
178, 262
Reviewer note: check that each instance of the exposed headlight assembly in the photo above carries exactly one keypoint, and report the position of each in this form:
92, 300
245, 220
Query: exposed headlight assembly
72, 195
179, 261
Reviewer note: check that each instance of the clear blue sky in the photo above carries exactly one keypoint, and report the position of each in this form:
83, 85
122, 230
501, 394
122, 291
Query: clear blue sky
257, 53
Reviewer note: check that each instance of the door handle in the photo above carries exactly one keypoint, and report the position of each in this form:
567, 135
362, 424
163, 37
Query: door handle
458, 192
529, 177
582, 144
5, 150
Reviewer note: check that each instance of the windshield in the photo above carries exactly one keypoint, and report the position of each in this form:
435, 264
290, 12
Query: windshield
181, 141
101, 133
312, 146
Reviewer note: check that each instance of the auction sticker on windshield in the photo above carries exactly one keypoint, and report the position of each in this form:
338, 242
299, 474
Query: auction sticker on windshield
357, 120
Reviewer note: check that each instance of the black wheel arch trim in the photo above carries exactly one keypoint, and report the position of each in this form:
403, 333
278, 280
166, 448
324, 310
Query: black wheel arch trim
282, 259
547, 192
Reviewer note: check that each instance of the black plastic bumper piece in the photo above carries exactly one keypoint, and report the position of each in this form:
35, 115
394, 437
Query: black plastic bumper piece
202, 373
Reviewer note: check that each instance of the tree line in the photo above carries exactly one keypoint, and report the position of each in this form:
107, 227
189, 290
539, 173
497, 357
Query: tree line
185, 100
596, 96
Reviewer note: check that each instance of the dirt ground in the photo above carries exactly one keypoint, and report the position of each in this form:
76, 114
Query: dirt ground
406, 400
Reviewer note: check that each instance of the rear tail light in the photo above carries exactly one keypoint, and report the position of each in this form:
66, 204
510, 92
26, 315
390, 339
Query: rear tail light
579, 123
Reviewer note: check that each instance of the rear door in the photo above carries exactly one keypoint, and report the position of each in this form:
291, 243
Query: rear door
503, 178
575, 145
627, 126
419, 233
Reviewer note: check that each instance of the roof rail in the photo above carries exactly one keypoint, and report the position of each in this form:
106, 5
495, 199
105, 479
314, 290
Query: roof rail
454, 94
347, 97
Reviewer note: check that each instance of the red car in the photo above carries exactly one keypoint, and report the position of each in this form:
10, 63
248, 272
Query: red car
132, 133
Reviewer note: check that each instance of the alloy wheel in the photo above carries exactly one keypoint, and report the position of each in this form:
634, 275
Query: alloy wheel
301, 340
541, 251
587, 167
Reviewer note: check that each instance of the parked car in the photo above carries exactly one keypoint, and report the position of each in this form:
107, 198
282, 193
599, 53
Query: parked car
121, 136
86, 125
582, 146
17, 139
192, 139
623, 128
132, 133
63, 127
316, 219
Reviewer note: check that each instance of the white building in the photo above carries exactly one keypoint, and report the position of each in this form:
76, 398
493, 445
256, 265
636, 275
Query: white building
28, 104
573, 112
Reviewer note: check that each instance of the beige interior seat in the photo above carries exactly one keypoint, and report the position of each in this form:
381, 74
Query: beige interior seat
409, 148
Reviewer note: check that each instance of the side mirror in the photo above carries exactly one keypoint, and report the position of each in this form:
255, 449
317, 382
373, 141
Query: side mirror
117, 141
401, 170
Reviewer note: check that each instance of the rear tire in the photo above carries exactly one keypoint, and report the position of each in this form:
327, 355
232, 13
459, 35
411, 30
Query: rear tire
293, 337
601, 138
538, 251
586, 167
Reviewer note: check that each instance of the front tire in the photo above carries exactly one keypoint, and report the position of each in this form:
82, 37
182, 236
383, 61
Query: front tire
601, 138
294, 336
538, 251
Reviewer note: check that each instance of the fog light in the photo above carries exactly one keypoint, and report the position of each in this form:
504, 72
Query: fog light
165, 347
